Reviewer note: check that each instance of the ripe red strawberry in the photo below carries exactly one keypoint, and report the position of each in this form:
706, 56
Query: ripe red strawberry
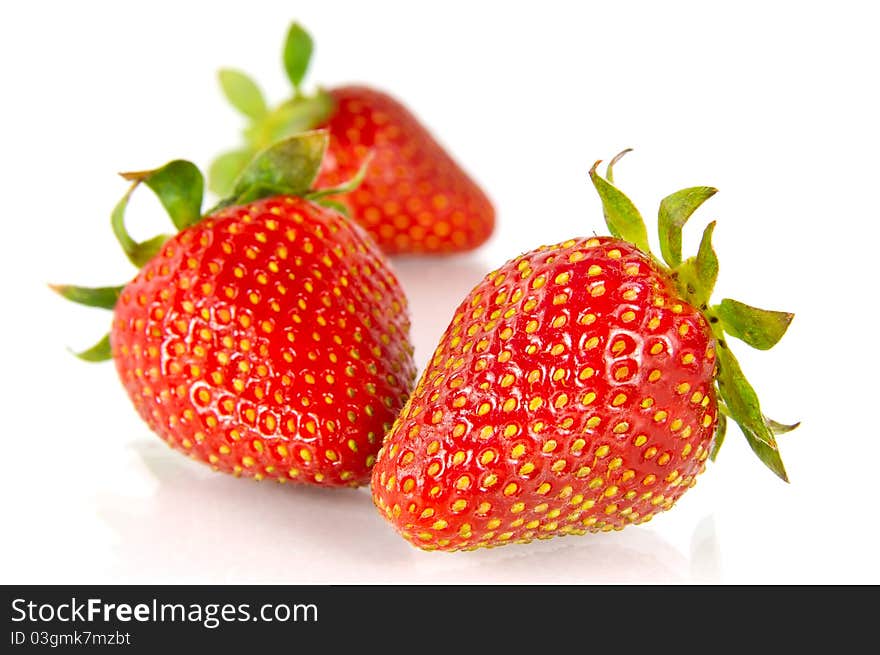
575, 391
414, 199
269, 338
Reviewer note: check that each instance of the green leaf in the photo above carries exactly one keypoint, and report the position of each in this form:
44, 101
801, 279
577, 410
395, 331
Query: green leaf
225, 169
744, 408
623, 219
346, 187
675, 210
101, 297
778, 428
609, 170
697, 275
242, 93
766, 453
288, 167
707, 261
760, 328
179, 185
720, 432
739, 396
335, 205
298, 114
138, 253
297, 54
100, 352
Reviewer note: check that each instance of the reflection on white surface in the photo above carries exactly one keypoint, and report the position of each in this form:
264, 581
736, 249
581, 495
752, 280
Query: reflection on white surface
705, 552
206, 526
200, 526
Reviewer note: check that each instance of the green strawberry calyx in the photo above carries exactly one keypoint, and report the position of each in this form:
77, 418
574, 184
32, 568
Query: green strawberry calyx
265, 126
695, 279
287, 167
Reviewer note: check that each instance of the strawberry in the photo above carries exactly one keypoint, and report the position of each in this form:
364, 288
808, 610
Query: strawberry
268, 338
415, 197
580, 387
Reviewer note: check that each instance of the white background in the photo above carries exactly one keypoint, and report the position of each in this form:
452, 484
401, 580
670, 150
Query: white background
774, 103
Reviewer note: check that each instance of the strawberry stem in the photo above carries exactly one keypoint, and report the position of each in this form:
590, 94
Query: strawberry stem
138, 253
100, 352
675, 210
288, 167
225, 168
695, 278
179, 185
720, 433
609, 170
621, 216
760, 328
298, 113
298, 48
100, 297
780, 428
740, 402
346, 187
242, 93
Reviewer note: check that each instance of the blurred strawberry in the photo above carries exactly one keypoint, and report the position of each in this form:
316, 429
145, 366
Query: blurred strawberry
414, 199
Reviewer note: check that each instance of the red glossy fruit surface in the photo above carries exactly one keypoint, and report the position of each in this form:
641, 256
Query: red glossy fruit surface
572, 392
415, 197
269, 340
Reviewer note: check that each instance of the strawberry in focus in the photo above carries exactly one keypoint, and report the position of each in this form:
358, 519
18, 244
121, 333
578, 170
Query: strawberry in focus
414, 199
268, 338
575, 391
